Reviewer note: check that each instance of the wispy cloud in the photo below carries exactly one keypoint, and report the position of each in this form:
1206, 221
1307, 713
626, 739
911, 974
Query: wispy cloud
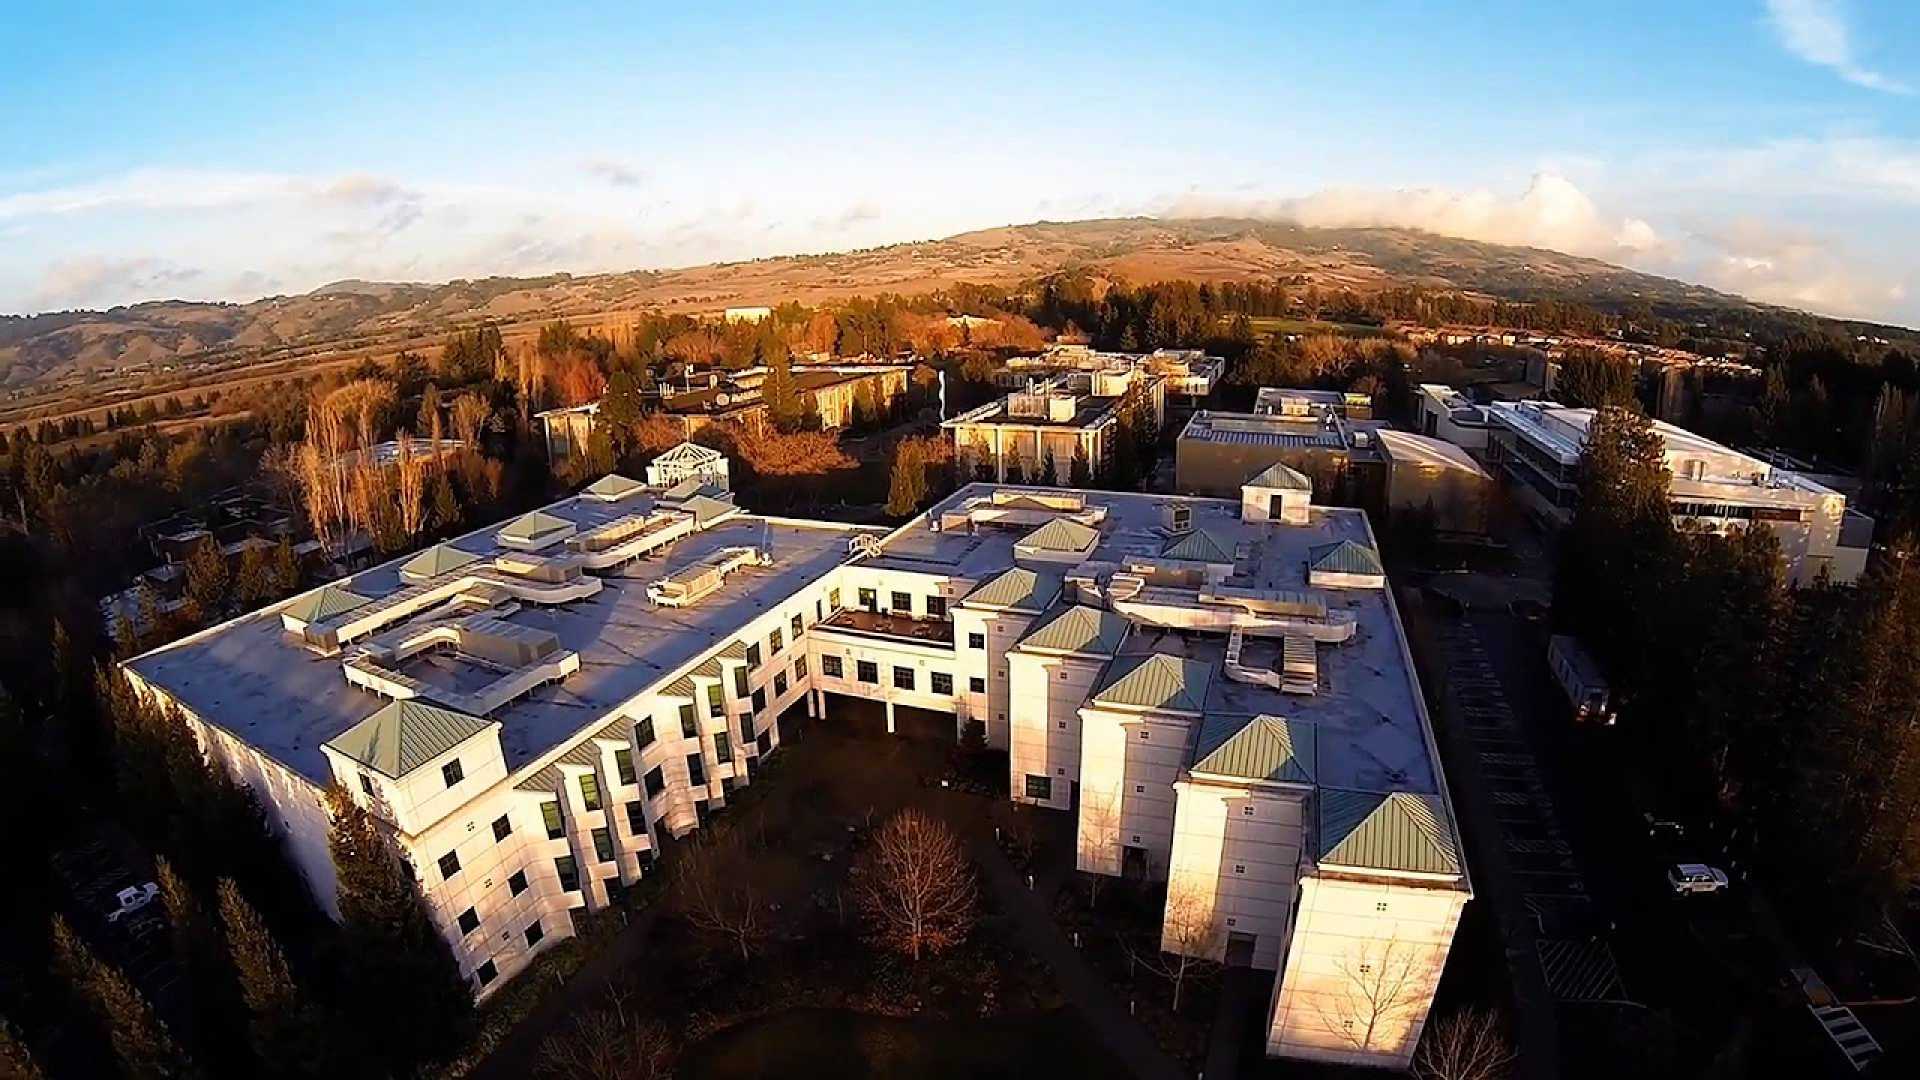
619, 174
93, 280
1817, 31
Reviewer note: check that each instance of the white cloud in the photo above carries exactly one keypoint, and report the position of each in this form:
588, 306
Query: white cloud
1816, 31
1551, 213
1794, 267
619, 174
99, 281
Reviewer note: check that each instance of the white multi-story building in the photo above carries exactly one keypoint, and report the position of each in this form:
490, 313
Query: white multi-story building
1219, 690
1536, 445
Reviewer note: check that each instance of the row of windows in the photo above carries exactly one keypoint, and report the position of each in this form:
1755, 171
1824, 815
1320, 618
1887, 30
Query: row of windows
904, 678
898, 602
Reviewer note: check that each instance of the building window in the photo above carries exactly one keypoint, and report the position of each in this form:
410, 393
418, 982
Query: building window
1246, 811
942, 683
469, 921
976, 684
976, 641
746, 727
569, 873
534, 933
550, 813
799, 668
869, 671
739, 682
796, 625
637, 818
696, 771
366, 785
590, 791
759, 700
869, 599
1063, 725
830, 667
779, 684
452, 772
623, 766
656, 781
1039, 787
449, 864
689, 726
753, 656
903, 602
936, 607
1381, 906
502, 828
716, 701
486, 973
517, 884
603, 844
903, 678
775, 642
643, 732
1143, 734
722, 747
1239, 868
833, 599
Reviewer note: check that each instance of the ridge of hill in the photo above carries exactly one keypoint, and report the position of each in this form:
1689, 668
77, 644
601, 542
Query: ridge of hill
1138, 250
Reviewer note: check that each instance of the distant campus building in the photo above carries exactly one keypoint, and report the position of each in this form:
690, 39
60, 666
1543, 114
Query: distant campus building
1536, 445
1219, 691
735, 397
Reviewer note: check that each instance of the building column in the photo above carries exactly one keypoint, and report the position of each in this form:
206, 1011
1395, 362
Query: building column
889, 716
816, 703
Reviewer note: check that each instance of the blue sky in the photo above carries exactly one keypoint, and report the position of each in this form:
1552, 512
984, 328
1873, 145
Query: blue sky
1769, 147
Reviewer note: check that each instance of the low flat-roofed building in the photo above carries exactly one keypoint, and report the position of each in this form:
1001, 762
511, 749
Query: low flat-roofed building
1445, 413
1291, 402
1426, 475
1218, 689
1536, 447
1218, 451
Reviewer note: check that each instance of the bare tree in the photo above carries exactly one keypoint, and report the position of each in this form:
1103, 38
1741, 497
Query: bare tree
410, 489
610, 1042
1467, 1045
717, 891
1189, 937
1379, 987
1098, 840
915, 885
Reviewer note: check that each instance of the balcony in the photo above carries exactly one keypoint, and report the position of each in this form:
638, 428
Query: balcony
934, 633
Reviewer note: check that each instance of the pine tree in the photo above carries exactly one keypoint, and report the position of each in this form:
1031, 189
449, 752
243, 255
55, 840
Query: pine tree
1049, 476
286, 569
908, 484
207, 579
406, 993
283, 1026
16, 1061
1080, 471
141, 1043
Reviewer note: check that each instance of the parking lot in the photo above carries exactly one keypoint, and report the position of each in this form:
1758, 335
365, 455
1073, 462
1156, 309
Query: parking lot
93, 867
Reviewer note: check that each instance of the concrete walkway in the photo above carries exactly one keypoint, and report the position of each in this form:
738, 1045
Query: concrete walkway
1030, 917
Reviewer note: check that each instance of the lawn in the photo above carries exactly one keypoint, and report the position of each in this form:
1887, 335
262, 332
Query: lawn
1279, 324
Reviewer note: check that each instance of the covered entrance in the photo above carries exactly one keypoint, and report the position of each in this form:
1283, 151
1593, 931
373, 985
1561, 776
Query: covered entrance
860, 716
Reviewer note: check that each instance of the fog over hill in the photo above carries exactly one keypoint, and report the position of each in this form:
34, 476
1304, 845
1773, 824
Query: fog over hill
1137, 250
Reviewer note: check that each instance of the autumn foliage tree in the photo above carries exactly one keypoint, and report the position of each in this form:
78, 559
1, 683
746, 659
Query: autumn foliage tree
915, 886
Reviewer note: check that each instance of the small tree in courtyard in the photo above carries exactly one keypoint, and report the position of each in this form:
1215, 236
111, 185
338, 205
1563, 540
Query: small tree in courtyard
914, 886
717, 892
1466, 1045
1189, 936
611, 1042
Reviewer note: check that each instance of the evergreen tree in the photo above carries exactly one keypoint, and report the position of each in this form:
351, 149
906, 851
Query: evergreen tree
786, 410
16, 1061
286, 569
620, 412
1016, 466
140, 1042
908, 486
1049, 476
284, 1027
405, 992
207, 579
1080, 471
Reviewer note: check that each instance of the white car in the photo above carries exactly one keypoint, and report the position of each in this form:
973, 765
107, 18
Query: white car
1696, 878
132, 899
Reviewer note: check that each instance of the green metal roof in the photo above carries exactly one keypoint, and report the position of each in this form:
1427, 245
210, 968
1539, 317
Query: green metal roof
1344, 557
1401, 830
324, 603
1079, 629
1264, 748
584, 753
613, 486
436, 560
681, 687
1199, 545
406, 735
1061, 534
735, 650
1283, 476
1159, 681
1028, 590
533, 526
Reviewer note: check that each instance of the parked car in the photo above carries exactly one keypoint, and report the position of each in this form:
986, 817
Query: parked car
1579, 675
1686, 878
132, 899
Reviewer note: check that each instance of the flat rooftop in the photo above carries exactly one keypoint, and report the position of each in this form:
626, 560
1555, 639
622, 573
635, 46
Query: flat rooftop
1366, 712
254, 679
